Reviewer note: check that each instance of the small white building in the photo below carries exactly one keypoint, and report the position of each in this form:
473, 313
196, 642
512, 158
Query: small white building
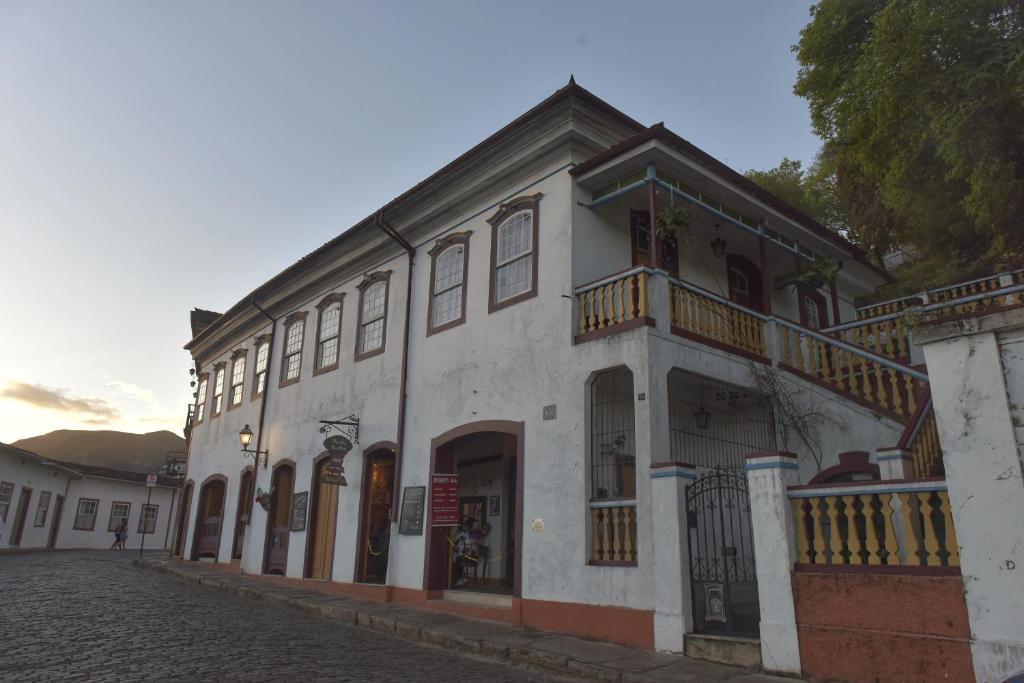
49, 504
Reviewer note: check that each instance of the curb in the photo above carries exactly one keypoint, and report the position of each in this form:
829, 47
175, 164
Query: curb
495, 651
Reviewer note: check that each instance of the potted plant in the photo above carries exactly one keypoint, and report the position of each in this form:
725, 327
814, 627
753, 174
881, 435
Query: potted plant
264, 497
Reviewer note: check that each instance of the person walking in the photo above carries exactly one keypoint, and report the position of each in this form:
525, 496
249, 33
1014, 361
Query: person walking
122, 534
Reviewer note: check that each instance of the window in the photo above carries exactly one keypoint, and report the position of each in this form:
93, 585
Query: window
218, 388
201, 399
147, 520
237, 378
745, 283
259, 383
739, 287
118, 513
514, 252
449, 257
328, 330
42, 508
6, 491
813, 313
373, 310
294, 333
85, 518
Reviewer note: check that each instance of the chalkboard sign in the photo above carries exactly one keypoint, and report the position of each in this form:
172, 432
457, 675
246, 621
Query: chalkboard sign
411, 523
299, 503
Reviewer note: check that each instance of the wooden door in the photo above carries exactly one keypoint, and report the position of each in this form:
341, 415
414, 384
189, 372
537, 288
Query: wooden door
243, 514
323, 526
279, 520
183, 510
641, 237
55, 522
22, 513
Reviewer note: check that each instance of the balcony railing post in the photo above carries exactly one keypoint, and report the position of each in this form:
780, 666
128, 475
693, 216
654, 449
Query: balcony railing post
658, 300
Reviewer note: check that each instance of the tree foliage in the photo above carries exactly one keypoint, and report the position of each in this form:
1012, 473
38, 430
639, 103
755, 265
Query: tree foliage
812, 191
921, 107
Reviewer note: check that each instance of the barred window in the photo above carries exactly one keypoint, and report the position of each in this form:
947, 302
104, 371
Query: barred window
327, 335
371, 317
293, 350
237, 379
612, 436
42, 508
218, 390
85, 518
262, 356
6, 491
147, 520
118, 513
513, 263
201, 400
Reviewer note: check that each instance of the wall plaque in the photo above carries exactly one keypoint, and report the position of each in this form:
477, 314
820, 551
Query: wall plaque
299, 503
444, 500
411, 522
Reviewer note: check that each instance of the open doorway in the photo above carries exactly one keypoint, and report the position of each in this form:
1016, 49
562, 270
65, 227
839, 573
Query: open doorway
279, 519
375, 516
209, 519
480, 554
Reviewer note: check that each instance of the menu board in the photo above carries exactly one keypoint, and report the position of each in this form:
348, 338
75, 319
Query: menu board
411, 522
444, 500
299, 503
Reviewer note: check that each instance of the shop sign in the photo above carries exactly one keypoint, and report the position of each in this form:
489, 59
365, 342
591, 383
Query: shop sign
444, 500
411, 522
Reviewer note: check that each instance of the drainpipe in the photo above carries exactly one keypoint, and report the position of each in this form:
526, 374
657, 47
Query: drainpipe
263, 411
403, 382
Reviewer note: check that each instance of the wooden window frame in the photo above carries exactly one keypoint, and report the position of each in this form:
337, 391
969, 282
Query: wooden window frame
218, 368
289, 322
46, 511
371, 279
142, 518
442, 245
10, 498
110, 519
259, 342
513, 206
804, 293
325, 303
236, 356
202, 386
755, 281
96, 513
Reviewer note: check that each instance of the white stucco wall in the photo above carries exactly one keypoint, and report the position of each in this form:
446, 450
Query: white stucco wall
107, 491
23, 472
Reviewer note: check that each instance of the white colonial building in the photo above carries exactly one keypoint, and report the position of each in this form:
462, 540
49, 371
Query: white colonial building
527, 358
57, 505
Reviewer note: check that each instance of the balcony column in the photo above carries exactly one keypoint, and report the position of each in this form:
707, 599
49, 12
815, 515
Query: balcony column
652, 187
673, 607
766, 285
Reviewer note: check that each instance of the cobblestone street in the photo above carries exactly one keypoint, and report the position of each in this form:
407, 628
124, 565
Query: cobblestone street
92, 616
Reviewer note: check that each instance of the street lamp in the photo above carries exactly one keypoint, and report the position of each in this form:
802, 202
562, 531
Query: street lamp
258, 457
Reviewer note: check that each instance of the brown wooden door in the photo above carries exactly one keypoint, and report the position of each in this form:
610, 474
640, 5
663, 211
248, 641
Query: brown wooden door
243, 513
183, 511
278, 521
323, 526
55, 522
19, 518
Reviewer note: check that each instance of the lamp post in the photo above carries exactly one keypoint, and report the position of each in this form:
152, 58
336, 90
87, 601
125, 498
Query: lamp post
258, 457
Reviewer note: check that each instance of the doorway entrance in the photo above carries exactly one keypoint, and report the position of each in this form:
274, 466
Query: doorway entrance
375, 516
243, 513
278, 519
58, 509
186, 504
481, 554
20, 515
209, 519
722, 576
323, 522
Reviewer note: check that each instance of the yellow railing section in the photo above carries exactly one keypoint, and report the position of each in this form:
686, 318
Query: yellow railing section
614, 533
701, 315
888, 386
868, 525
889, 338
957, 291
925, 450
612, 301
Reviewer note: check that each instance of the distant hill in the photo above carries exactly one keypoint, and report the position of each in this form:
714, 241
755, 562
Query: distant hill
104, 448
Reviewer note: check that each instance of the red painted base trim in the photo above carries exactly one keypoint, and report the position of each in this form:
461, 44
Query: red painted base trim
614, 329
906, 570
722, 346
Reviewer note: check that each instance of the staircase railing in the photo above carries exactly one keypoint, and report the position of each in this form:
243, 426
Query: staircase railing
921, 438
971, 288
721, 320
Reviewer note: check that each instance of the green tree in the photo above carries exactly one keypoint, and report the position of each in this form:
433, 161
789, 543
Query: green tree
812, 191
921, 107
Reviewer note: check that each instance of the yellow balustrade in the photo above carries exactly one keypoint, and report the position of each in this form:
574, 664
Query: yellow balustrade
888, 338
613, 538
875, 528
612, 303
703, 316
925, 450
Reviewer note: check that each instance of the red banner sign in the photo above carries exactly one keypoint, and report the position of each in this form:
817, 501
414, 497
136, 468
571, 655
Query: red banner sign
444, 500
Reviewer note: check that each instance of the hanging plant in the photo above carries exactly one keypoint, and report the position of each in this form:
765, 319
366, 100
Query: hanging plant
814, 276
263, 497
674, 221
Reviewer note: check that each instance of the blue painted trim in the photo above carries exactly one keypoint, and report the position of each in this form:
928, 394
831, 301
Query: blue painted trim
893, 457
661, 474
852, 490
772, 466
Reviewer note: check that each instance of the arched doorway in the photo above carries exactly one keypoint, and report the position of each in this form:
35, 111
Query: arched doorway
243, 512
183, 510
278, 518
323, 522
376, 501
488, 458
209, 518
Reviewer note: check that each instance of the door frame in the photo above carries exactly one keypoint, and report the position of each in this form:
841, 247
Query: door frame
203, 489
184, 511
313, 514
509, 428
21, 515
245, 500
268, 532
364, 499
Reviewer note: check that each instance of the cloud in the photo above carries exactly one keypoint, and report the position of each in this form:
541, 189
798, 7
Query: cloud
99, 410
134, 391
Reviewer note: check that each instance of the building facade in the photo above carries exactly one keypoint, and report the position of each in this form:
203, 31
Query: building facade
546, 344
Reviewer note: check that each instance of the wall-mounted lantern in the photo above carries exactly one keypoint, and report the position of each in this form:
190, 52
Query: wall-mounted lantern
258, 457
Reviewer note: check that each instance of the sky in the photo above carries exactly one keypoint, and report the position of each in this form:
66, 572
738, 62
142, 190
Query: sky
159, 156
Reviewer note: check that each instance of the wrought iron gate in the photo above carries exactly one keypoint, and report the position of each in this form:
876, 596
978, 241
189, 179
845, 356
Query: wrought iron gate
722, 576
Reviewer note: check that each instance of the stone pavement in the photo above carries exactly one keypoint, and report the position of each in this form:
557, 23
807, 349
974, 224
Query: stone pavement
552, 654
